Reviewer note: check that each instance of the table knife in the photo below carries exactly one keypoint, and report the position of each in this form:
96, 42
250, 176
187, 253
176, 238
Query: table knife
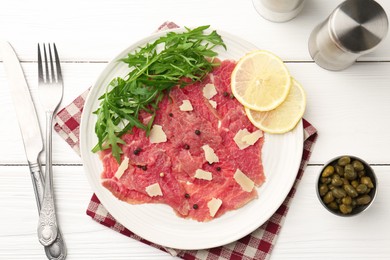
31, 133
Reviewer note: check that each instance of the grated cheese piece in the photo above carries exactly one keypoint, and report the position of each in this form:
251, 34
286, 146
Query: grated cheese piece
209, 91
238, 138
154, 190
214, 205
243, 180
244, 138
209, 154
122, 168
203, 175
186, 106
157, 135
213, 103
252, 138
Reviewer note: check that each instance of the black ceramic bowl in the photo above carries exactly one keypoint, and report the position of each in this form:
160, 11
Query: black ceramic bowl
346, 187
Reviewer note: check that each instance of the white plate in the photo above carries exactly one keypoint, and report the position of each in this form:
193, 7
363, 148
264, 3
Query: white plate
158, 223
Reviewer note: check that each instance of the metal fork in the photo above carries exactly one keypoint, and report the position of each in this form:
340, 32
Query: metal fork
50, 90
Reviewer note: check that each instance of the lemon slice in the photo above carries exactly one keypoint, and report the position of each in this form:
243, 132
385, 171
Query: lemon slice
283, 118
260, 81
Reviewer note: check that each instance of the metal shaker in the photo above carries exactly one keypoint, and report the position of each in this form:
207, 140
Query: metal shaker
353, 29
278, 10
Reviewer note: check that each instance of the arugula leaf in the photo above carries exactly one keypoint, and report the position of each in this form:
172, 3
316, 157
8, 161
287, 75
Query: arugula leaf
154, 69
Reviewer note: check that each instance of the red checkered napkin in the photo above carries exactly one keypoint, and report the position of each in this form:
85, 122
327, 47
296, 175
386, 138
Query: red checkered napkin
257, 245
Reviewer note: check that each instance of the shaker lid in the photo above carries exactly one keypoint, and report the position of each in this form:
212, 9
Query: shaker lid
359, 25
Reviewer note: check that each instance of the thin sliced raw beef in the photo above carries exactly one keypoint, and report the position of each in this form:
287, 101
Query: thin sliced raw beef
174, 164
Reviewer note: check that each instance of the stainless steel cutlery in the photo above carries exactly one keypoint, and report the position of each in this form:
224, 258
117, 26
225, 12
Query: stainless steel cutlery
32, 139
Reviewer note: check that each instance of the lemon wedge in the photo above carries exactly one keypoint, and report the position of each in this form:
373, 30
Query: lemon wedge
260, 81
283, 118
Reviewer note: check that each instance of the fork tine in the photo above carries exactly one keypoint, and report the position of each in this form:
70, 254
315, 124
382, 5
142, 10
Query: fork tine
52, 77
46, 64
58, 66
40, 71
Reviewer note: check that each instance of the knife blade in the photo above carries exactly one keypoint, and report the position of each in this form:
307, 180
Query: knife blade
30, 131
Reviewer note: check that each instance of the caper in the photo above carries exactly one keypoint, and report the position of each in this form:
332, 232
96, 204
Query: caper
354, 183
328, 198
326, 180
339, 193
361, 188
351, 191
347, 200
349, 172
323, 189
361, 173
328, 171
336, 180
345, 209
345, 181
339, 170
344, 161
363, 200
331, 186
367, 180
333, 205
354, 203
357, 165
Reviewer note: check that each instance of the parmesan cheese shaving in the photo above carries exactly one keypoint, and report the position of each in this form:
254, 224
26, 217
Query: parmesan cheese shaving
203, 175
238, 138
209, 154
213, 103
209, 91
157, 135
214, 205
186, 106
243, 180
122, 168
252, 138
154, 190
244, 138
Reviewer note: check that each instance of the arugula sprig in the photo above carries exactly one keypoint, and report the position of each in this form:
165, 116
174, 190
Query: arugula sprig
174, 59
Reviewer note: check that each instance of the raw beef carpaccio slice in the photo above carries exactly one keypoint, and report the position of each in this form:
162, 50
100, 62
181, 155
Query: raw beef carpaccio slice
173, 165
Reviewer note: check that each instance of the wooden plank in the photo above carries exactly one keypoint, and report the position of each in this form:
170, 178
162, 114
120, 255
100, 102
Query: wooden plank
85, 239
96, 31
311, 232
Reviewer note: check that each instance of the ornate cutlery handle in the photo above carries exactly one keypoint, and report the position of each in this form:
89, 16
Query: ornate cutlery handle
57, 250
47, 224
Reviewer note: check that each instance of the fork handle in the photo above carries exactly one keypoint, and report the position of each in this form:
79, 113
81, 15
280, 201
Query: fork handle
47, 224
57, 250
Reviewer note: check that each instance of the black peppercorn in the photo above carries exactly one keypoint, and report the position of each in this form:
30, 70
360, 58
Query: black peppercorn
225, 94
187, 196
144, 167
219, 169
186, 146
197, 132
195, 206
137, 151
170, 114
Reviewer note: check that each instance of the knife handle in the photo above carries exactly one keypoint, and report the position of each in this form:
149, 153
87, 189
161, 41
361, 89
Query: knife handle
38, 183
57, 250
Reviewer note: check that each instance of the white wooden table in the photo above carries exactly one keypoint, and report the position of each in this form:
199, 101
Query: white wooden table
350, 109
